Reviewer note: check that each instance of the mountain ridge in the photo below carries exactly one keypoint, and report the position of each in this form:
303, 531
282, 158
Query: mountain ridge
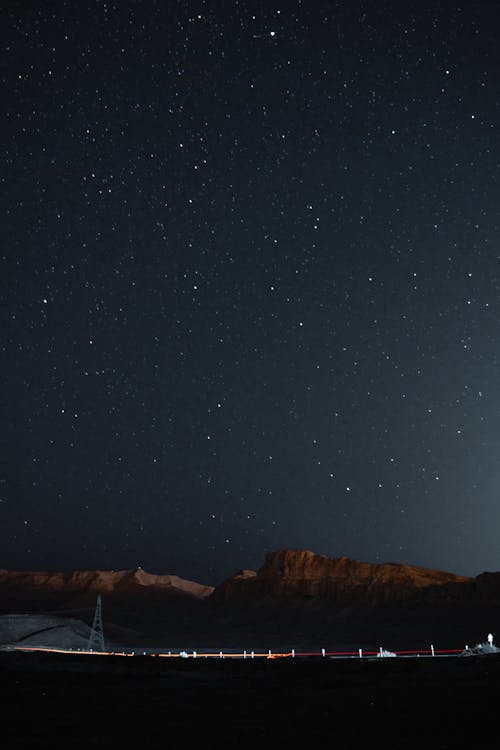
101, 580
29, 591
295, 595
288, 574
285, 574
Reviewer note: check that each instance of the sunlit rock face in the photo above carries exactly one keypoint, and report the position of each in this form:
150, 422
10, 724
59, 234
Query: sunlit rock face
300, 574
299, 578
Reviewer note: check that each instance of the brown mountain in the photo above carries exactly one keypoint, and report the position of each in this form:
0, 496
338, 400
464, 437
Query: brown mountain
300, 574
26, 591
316, 599
286, 575
295, 597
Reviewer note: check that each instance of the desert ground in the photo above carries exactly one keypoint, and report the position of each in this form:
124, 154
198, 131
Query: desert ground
75, 701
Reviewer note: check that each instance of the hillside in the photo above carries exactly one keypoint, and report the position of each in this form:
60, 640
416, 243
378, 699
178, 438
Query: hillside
301, 574
295, 597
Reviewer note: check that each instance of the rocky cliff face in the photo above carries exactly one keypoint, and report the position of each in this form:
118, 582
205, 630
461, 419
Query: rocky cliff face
302, 575
296, 577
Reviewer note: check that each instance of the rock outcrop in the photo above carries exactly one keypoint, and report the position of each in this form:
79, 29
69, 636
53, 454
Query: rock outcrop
302, 575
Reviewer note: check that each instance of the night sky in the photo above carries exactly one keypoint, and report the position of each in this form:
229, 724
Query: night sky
249, 284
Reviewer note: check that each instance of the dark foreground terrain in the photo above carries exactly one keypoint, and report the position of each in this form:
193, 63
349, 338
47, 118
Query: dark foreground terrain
50, 701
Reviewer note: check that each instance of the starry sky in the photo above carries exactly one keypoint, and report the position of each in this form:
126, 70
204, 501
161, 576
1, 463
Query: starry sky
249, 283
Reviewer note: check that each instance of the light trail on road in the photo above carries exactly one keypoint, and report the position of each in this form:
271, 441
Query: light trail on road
249, 655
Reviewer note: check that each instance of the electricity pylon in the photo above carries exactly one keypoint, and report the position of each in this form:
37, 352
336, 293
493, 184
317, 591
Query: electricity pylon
96, 637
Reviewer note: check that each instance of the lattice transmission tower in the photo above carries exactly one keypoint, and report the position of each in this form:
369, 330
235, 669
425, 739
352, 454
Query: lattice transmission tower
96, 638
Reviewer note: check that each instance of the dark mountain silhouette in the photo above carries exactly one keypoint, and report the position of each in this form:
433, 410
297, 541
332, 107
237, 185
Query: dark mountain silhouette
30, 590
300, 574
296, 596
